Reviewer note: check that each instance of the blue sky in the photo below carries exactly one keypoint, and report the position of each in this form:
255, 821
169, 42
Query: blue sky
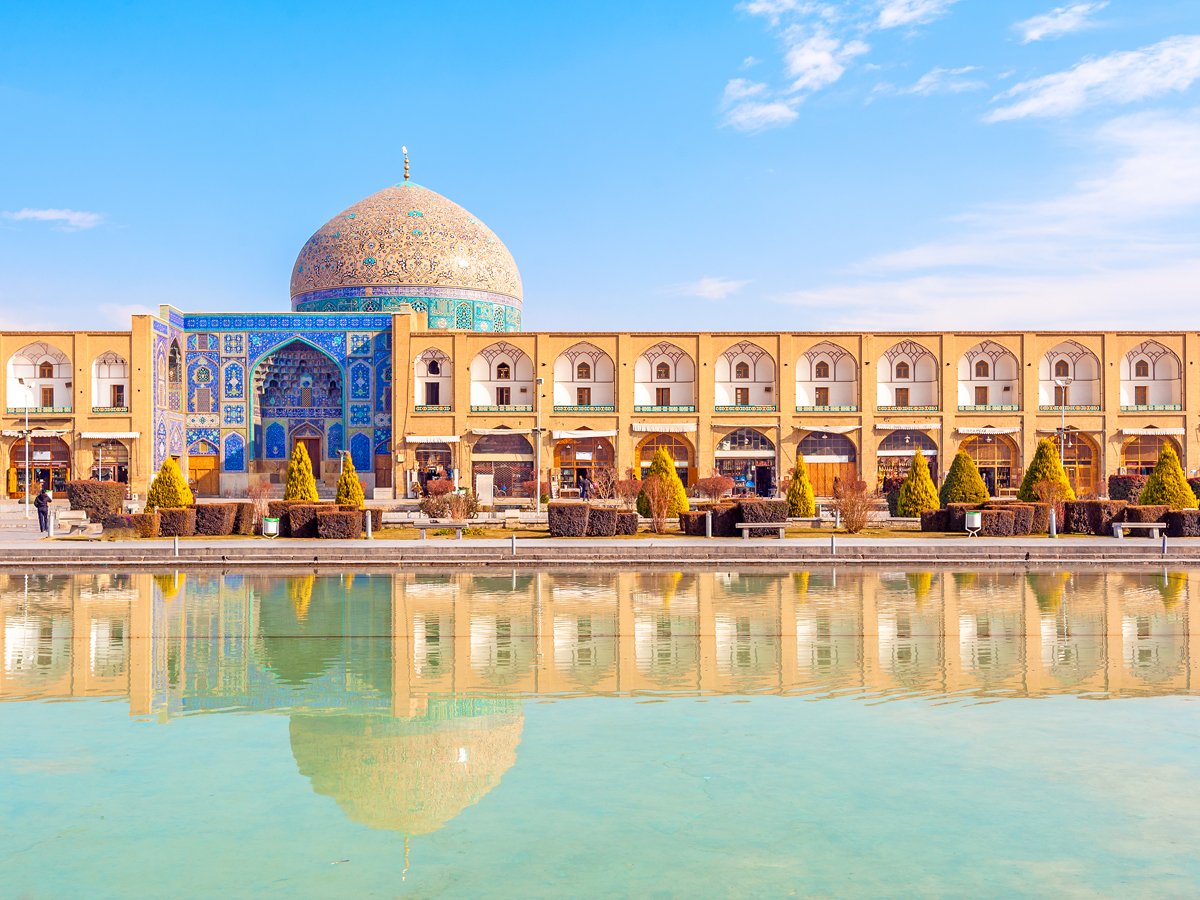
768, 164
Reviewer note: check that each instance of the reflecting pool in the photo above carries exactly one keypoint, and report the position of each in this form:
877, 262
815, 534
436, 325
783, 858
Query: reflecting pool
848, 732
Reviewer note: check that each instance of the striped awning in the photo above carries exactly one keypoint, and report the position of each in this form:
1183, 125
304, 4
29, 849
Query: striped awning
1151, 432
1008, 429
34, 432
907, 426
431, 439
829, 429
501, 431
102, 435
664, 427
580, 434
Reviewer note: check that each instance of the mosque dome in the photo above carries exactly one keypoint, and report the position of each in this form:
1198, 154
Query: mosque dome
410, 776
409, 246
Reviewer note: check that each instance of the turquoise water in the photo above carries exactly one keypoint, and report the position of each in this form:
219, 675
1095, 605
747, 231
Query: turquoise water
830, 734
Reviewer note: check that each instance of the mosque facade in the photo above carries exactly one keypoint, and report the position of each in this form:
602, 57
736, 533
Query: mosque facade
405, 348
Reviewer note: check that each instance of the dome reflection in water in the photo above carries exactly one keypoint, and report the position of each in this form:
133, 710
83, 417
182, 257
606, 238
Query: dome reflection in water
407, 693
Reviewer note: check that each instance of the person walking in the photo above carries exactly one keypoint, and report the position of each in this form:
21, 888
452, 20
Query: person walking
42, 504
585, 487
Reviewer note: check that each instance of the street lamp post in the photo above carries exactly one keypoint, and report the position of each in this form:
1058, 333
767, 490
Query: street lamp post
1062, 384
537, 446
28, 392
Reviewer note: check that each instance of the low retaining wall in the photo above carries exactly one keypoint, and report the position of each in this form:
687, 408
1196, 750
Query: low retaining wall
564, 553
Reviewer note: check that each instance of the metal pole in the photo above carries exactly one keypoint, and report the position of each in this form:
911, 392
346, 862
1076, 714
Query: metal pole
26, 454
537, 446
1062, 431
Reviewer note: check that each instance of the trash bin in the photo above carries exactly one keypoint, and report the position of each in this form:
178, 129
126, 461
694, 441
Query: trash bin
270, 526
974, 522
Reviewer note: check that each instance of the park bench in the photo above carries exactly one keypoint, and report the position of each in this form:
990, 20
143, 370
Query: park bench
422, 527
1153, 528
75, 521
747, 527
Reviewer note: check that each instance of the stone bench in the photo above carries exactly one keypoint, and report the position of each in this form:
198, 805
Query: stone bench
423, 527
1153, 528
747, 527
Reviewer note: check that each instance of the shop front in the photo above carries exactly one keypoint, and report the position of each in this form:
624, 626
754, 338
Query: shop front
748, 457
501, 465
42, 460
580, 454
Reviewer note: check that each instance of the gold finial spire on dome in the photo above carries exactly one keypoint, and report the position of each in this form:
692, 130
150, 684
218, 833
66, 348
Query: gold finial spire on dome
404, 150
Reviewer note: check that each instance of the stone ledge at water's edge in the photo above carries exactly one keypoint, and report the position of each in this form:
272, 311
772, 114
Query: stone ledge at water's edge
570, 553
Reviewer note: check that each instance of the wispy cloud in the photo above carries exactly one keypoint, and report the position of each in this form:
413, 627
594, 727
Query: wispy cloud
938, 80
1124, 233
897, 13
820, 40
707, 288
1059, 21
1125, 77
67, 219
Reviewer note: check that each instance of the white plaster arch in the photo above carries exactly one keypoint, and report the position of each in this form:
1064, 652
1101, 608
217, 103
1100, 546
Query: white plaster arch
747, 366
1151, 376
433, 378
664, 366
584, 366
498, 366
907, 366
46, 373
991, 369
827, 367
1069, 359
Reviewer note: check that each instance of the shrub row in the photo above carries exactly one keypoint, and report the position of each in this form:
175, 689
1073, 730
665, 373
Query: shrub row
1126, 487
339, 523
574, 519
99, 499
178, 522
215, 519
1183, 523
1026, 518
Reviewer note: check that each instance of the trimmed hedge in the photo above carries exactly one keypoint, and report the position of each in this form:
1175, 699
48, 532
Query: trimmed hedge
627, 521
339, 524
278, 509
215, 519
302, 519
691, 522
177, 522
602, 521
567, 519
1145, 514
762, 511
1126, 487
99, 499
1194, 484
1091, 516
1040, 523
243, 517
1022, 517
374, 511
956, 515
147, 525
996, 522
935, 520
1183, 523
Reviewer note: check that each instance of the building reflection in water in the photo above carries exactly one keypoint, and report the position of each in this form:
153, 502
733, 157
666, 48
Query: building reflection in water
405, 692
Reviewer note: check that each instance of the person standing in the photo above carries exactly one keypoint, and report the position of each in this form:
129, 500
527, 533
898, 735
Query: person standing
585, 487
42, 504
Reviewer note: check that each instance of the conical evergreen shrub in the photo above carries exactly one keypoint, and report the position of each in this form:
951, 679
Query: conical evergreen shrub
963, 482
169, 490
349, 488
1167, 485
301, 485
1046, 466
801, 504
662, 464
917, 493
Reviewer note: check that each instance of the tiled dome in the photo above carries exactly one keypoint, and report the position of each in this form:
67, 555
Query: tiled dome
405, 236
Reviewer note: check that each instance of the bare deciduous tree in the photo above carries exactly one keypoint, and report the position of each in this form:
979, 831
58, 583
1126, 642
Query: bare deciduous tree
854, 503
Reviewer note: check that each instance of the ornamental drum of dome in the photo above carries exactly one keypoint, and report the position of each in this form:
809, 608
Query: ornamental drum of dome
407, 246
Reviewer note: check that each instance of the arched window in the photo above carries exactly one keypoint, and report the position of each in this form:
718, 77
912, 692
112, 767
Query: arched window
981, 369
583, 371
741, 370
434, 367
662, 371
503, 372
46, 370
1062, 369
822, 370
1140, 370
902, 370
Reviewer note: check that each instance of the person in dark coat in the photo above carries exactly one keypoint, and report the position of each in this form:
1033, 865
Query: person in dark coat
42, 504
